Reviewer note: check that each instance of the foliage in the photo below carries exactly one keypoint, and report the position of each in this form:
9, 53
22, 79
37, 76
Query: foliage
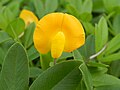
94, 66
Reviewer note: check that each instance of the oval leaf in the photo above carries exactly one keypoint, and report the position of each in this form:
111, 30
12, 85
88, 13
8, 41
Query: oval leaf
62, 76
15, 28
51, 7
15, 72
101, 34
113, 45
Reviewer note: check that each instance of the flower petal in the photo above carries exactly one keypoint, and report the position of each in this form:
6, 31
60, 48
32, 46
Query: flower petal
46, 29
74, 33
57, 45
28, 17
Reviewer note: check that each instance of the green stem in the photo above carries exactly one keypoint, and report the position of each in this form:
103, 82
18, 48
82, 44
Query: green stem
110, 15
55, 61
45, 60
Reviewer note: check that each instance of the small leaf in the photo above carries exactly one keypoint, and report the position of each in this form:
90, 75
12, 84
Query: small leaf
35, 72
101, 34
32, 53
86, 76
6, 16
111, 57
98, 6
51, 7
108, 87
113, 45
114, 69
72, 10
116, 24
15, 72
95, 64
14, 6
89, 28
96, 71
88, 48
4, 1
28, 35
111, 5
15, 28
39, 9
75, 3
77, 55
4, 37
105, 79
86, 6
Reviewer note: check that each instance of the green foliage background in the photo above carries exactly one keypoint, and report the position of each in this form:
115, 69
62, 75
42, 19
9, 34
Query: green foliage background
94, 66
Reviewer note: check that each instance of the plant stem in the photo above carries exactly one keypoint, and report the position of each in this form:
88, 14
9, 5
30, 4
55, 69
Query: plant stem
55, 61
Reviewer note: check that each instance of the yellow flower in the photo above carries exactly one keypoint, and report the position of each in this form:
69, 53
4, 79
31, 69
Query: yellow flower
58, 32
28, 17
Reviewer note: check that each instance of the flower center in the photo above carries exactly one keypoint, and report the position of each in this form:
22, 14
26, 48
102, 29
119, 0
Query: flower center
57, 44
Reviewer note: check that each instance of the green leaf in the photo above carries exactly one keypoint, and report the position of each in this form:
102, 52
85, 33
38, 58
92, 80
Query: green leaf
114, 69
28, 35
111, 5
39, 8
77, 55
32, 53
81, 10
35, 72
15, 28
62, 76
88, 48
75, 3
14, 6
86, 6
51, 7
6, 16
67, 83
101, 34
4, 1
4, 37
98, 6
111, 57
4, 48
15, 72
105, 79
108, 87
72, 10
113, 45
65, 55
73, 7
116, 24
82, 86
86, 76
86, 10
89, 28
95, 64
96, 71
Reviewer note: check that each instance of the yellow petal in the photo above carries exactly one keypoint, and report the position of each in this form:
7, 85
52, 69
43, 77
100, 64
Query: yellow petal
46, 29
57, 45
51, 24
28, 17
74, 33
41, 41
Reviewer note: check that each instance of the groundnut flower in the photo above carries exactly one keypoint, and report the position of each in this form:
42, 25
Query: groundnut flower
58, 32
28, 17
